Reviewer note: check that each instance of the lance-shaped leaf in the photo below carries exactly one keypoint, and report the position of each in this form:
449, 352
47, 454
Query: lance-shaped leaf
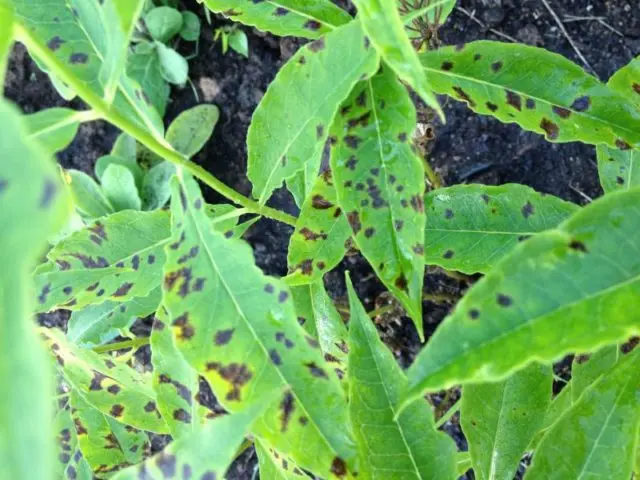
71, 464
94, 265
382, 23
290, 126
395, 447
573, 289
87, 195
245, 340
321, 237
471, 227
601, 429
205, 454
380, 185
6, 26
500, 419
33, 205
54, 128
300, 18
273, 466
105, 444
541, 91
115, 390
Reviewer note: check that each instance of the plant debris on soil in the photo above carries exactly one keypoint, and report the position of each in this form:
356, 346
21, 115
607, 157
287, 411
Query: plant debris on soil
469, 148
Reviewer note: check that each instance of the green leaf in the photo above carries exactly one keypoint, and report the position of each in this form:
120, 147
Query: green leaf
87, 195
380, 185
618, 169
205, 454
392, 448
601, 429
156, 186
119, 186
434, 14
33, 204
321, 237
71, 463
6, 42
627, 81
471, 227
238, 42
382, 23
299, 18
94, 265
99, 324
144, 67
127, 162
105, 444
163, 23
585, 372
173, 66
54, 128
541, 91
190, 30
573, 289
125, 147
500, 419
115, 390
246, 342
191, 130
290, 127
272, 468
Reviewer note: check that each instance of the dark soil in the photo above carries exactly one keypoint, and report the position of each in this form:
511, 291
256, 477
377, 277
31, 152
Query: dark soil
469, 148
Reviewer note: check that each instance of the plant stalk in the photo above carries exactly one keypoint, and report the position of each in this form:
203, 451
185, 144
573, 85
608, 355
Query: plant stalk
112, 347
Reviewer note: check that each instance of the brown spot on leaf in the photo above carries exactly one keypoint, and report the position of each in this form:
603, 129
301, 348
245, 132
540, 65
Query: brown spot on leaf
446, 66
552, 130
312, 25
354, 220
496, 66
362, 120
236, 374
275, 357
514, 100
581, 104
504, 300
530, 103
527, 210
286, 409
122, 290
622, 145
280, 12
448, 214
166, 463
77, 58
369, 232
339, 467
462, 95
113, 389
474, 314
320, 203
401, 282
578, 246
492, 106
561, 112
182, 415
352, 141
317, 45
417, 203
315, 370
223, 337
448, 254
55, 43
116, 411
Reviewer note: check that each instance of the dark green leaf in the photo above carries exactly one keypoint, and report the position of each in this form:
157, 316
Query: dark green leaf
163, 23
87, 195
173, 66
471, 227
380, 185
54, 128
128, 162
290, 127
119, 186
144, 67
239, 43
190, 27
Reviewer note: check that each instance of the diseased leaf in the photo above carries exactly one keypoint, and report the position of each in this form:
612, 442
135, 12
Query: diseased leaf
541, 91
290, 126
54, 128
406, 447
70, 464
572, 289
299, 18
627, 81
245, 340
119, 186
586, 371
321, 237
383, 25
500, 419
93, 265
471, 227
272, 468
380, 185
33, 205
618, 169
163, 23
143, 65
191, 130
601, 429
115, 390
87, 195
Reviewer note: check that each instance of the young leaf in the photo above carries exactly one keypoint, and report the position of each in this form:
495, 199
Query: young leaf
500, 419
115, 390
471, 227
272, 468
125, 147
127, 162
173, 66
290, 127
393, 447
54, 128
163, 23
601, 429
239, 43
190, 30
33, 204
380, 185
321, 237
205, 454
143, 65
191, 130
382, 23
618, 169
93, 265
299, 18
572, 289
119, 186
541, 91
87, 195
71, 464
246, 342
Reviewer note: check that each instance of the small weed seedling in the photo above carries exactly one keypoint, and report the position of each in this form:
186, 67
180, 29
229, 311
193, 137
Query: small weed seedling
232, 37
316, 396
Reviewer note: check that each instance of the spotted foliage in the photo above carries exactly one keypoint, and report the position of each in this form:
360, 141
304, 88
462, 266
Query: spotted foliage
290, 126
245, 339
274, 466
54, 128
322, 234
380, 184
571, 289
299, 18
539, 90
471, 227
70, 463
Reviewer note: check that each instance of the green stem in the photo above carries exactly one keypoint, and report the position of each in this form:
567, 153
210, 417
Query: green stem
157, 146
434, 178
112, 347
447, 416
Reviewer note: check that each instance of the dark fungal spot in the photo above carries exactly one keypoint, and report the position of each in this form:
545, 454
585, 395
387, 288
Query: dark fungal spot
319, 131
401, 282
530, 103
496, 66
197, 204
315, 370
42, 298
636, 88
522, 238
418, 249
268, 288
351, 162
581, 104
122, 290
392, 179
514, 100
352, 141
398, 224
338, 467
55, 43
348, 184
76, 58
100, 292
485, 198
402, 137
208, 475
477, 57
182, 415
446, 66
223, 337
448, 254
302, 60
369, 232
67, 290
286, 410
619, 180
236, 374
448, 214
280, 12
312, 236
113, 389
578, 246
275, 357
504, 300
622, 145
312, 25
492, 106
317, 45
96, 381
527, 210
474, 314
362, 120
361, 100
551, 129
345, 110
3, 185
313, 343
135, 262
462, 95
150, 407
116, 411
367, 43
320, 203
561, 112
354, 220
166, 463
417, 203
375, 172
151, 259
359, 186
48, 193
283, 296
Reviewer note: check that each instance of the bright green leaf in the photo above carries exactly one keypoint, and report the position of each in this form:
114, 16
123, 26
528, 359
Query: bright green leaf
54, 128
129, 163
573, 289
300, 18
471, 227
539, 90
125, 147
163, 23
87, 195
584, 372
238, 42
500, 419
380, 185
245, 339
272, 468
144, 67
627, 81
290, 126
190, 30
407, 447
173, 66
618, 169
191, 130
119, 186
156, 186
